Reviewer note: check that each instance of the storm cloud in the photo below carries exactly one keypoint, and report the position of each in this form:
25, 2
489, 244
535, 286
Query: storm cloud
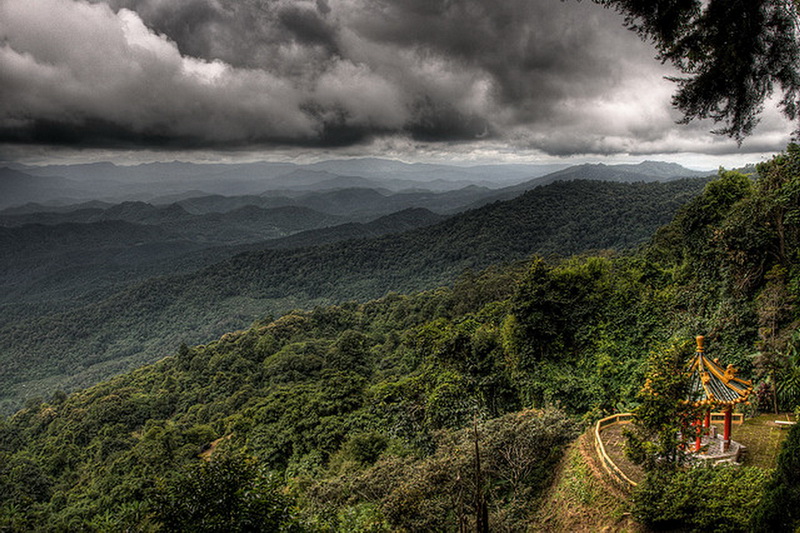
557, 77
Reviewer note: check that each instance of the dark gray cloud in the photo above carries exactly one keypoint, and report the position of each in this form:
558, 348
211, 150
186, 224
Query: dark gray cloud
243, 33
543, 75
534, 51
308, 28
323, 7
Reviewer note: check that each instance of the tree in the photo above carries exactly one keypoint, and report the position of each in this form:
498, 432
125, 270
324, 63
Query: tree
732, 52
350, 352
229, 493
660, 432
788, 384
717, 498
772, 304
552, 303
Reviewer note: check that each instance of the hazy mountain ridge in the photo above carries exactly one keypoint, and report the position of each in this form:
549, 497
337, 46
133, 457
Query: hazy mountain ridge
646, 172
35, 207
351, 204
407, 219
144, 182
18, 188
106, 181
69, 263
241, 225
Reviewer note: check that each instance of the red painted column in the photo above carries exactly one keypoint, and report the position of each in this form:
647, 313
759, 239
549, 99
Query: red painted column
698, 441
707, 421
726, 433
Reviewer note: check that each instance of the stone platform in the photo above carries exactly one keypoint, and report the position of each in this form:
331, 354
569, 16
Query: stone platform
713, 452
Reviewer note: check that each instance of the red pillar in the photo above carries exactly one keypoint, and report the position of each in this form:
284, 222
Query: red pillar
707, 421
726, 432
698, 441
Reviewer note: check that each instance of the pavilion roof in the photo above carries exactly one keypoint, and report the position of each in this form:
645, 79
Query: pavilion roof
710, 384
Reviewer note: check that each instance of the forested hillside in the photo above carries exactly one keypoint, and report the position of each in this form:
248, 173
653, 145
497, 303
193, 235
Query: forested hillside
44, 268
144, 322
367, 416
223, 344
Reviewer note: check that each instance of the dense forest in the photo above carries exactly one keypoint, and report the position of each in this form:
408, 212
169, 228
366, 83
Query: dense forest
373, 416
48, 267
46, 347
430, 411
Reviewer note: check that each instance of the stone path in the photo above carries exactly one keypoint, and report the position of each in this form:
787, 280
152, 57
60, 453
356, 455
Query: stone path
614, 442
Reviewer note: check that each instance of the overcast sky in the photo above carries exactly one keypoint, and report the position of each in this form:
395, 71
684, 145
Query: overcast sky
431, 80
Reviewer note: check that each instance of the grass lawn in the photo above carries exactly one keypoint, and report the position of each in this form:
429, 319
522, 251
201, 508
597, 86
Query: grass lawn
763, 438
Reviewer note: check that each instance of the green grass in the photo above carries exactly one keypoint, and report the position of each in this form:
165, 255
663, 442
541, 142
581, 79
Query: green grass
577, 480
762, 437
579, 501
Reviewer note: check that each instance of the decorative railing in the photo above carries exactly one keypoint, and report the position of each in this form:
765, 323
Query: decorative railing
608, 464
736, 418
625, 418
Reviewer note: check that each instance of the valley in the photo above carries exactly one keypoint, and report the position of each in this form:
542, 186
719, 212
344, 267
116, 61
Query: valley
118, 286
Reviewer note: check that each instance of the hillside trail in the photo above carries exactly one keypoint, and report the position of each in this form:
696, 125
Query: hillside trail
582, 499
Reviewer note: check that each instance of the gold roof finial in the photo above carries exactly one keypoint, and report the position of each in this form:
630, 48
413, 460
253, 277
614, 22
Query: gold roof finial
700, 339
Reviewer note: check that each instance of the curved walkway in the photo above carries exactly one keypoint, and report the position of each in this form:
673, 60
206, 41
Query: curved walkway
610, 446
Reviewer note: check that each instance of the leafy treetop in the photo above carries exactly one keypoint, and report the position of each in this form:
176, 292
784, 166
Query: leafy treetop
733, 53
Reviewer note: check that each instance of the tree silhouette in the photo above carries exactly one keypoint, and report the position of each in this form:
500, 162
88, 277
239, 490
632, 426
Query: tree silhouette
733, 54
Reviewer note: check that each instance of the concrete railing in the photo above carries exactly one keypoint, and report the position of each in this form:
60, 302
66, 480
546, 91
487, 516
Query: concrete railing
608, 464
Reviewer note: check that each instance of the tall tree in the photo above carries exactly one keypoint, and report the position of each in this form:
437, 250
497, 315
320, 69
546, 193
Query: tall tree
661, 429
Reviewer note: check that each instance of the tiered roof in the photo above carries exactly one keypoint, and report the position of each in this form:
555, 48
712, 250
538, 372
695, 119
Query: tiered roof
713, 385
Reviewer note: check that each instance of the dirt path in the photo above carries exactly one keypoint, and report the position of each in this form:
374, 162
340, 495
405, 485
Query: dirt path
582, 499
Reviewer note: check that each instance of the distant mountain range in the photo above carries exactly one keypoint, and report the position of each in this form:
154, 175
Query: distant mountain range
59, 256
59, 185
646, 171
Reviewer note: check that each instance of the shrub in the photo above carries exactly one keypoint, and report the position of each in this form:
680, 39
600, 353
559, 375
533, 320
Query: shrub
229, 493
701, 499
779, 509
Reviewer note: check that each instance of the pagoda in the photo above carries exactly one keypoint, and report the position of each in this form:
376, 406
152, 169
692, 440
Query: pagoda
713, 387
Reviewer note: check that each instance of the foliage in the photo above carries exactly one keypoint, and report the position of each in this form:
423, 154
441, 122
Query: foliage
788, 381
661, 426
779, 508
701, 499
775, 270
438, 493
227, 493
726, 79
